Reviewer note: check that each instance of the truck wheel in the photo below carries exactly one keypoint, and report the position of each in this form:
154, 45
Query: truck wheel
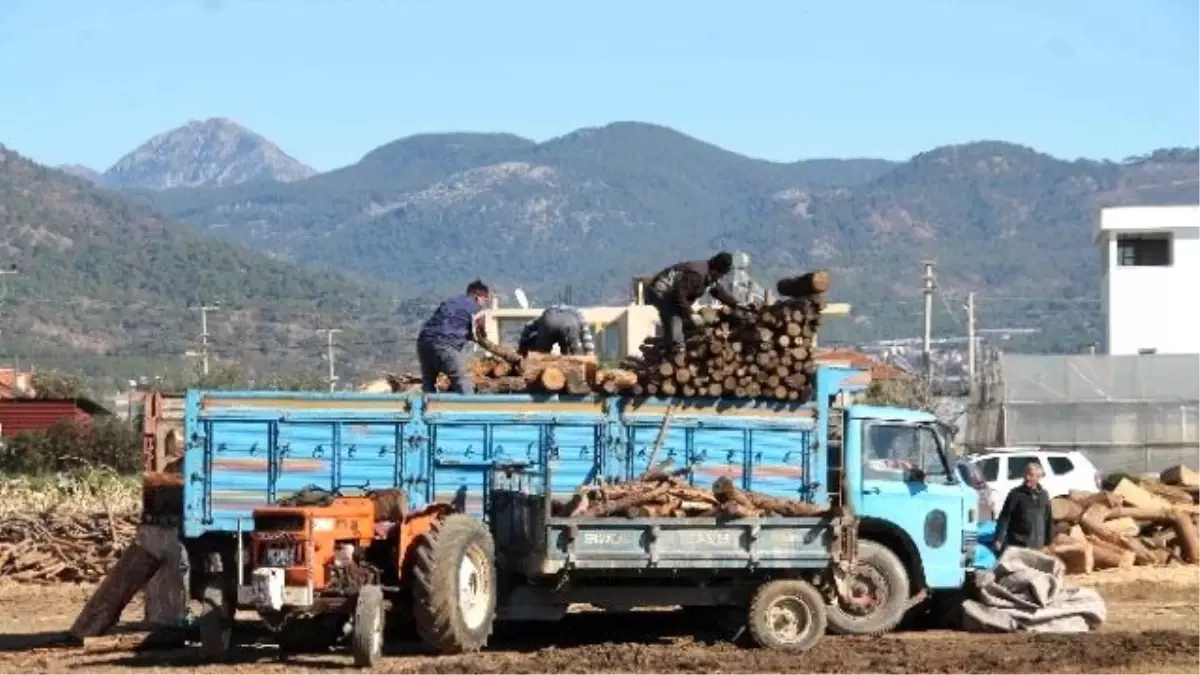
787, 614
367, 638
879, 589
215, 625
454, 585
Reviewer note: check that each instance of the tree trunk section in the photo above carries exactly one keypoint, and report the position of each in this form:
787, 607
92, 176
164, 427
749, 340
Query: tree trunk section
130, 574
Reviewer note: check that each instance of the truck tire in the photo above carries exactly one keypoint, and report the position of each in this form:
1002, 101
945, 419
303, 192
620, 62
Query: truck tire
366, 640
215, 625
454, 585
881, 589
787, 615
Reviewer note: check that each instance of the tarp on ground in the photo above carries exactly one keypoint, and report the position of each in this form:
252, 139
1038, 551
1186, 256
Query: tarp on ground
1027, 592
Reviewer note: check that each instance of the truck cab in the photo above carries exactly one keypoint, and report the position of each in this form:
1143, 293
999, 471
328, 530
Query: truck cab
917, 518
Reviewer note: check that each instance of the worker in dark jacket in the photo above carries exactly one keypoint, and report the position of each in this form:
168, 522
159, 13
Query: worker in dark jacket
440, 342
1025, 519
558, 325
673, 291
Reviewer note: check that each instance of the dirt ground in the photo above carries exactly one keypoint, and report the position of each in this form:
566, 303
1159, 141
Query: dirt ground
1153, 626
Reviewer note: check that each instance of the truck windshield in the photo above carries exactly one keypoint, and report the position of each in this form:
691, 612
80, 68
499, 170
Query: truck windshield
892, 449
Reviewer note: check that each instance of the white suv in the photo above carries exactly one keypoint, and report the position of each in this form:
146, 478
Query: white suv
1063, 471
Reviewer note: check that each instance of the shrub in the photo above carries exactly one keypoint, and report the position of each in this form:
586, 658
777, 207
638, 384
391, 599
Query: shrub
72, 445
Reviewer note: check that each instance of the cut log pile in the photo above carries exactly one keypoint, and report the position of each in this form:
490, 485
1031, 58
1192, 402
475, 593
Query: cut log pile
761, 352
746, 353
1151, 523
55, 547
663, 493
541, 373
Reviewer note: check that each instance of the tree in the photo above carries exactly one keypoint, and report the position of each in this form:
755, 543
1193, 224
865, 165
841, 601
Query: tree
57, 385
906, 391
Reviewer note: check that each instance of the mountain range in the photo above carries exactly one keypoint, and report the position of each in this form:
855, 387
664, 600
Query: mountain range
589, 210
112, 266
105, 286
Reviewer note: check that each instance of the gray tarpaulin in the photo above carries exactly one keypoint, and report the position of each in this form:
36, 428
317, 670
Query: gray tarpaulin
1027, 593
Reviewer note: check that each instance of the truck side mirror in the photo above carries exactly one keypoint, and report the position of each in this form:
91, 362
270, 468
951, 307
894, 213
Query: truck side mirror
916, 475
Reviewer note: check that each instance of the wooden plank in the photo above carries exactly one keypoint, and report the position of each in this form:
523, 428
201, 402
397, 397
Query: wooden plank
1133, 495
133, 571
166, 594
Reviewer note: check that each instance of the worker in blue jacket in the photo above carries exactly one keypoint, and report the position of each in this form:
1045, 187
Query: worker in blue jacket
558, 325
440, 342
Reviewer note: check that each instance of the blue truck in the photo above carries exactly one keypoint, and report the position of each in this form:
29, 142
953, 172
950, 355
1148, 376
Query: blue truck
902, 523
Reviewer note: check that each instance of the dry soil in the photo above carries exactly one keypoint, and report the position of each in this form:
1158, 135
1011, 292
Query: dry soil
1153, 626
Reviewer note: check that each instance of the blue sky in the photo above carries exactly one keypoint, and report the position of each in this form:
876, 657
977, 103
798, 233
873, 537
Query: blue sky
87, 80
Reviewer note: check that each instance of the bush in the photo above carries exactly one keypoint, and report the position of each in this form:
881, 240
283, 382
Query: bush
73, 445
53, 384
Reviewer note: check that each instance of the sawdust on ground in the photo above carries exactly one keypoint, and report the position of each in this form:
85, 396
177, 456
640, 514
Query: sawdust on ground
1153, 626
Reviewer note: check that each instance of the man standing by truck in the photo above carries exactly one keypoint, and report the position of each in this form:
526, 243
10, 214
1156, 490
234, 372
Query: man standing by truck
673, 290
440, 342
558, 325
1025, 519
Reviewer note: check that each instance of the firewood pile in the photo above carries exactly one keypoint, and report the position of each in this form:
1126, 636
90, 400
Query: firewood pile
55, 547
753, 352
662, 493
504, 372
1151, 523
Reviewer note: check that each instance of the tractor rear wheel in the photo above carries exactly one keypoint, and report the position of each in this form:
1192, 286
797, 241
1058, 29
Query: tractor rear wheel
454, 585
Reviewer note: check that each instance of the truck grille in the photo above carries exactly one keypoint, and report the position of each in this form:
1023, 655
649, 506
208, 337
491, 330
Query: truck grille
970, 539
281, 554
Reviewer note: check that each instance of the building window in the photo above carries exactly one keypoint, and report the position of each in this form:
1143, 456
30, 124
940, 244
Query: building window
608, 343
1144, 250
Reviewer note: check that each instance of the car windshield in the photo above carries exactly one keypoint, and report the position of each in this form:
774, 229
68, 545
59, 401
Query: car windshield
969, 473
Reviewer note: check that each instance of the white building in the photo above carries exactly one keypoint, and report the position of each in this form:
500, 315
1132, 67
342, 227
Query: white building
1150, 257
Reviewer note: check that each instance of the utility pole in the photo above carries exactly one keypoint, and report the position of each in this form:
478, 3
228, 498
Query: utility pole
204, 310
329, 354
4, 294
927, 290
970, 344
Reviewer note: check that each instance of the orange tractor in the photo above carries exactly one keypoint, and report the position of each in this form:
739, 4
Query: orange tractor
330, 572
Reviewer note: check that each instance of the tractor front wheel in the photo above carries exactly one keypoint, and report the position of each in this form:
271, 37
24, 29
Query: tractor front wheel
367, 638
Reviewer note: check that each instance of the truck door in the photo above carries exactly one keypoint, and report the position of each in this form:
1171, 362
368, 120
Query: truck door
906, 481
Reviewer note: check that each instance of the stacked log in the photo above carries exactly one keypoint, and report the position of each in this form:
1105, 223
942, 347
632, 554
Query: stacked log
662, 493
1152, 523
755, 352
536, 373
